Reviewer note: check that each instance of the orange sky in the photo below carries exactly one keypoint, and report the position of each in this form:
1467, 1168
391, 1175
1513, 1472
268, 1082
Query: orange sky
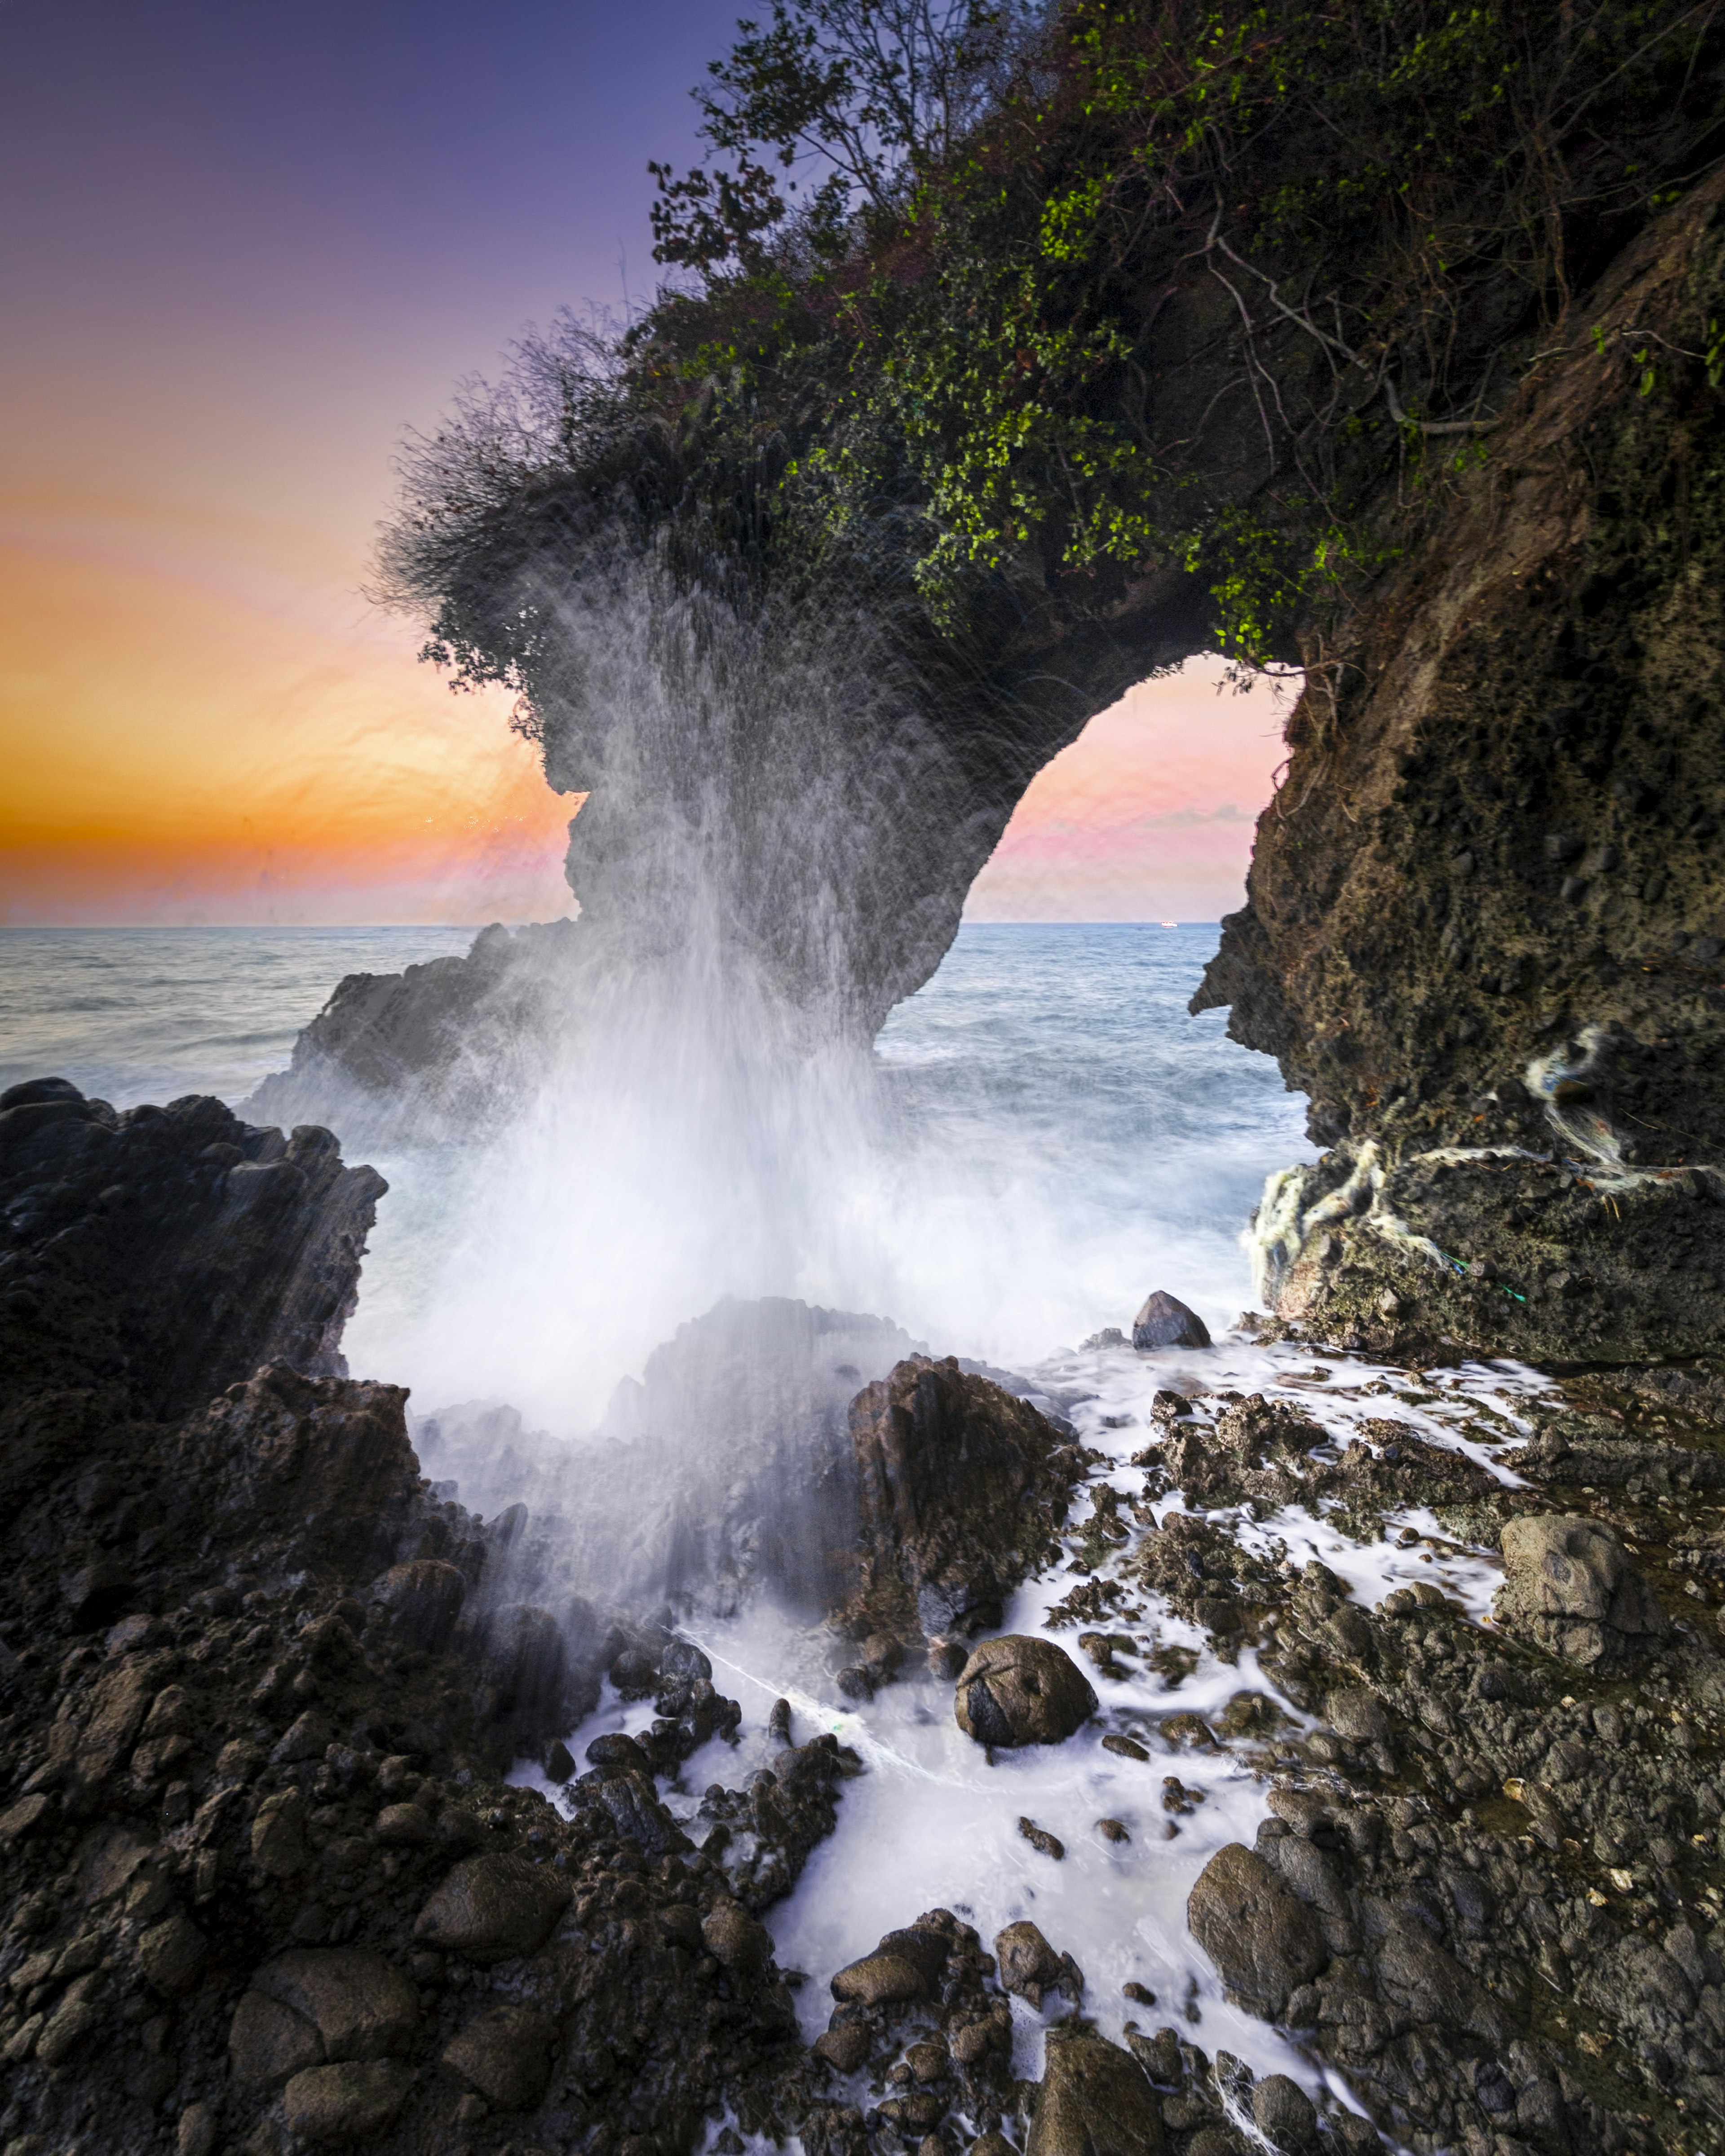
244, 247
203, 721
1149, 815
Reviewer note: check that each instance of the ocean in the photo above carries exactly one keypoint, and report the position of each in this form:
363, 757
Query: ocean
1045, 1134
1064, 1136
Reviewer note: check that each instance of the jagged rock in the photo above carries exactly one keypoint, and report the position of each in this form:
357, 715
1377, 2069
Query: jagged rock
960, 1486
504, 2056
1263, 1941
1570, 1585
1166, 1322
1017, 1690
423, 1599
1094, 2101
1484, 1028
1030, 1968
169, 1252
491, 1908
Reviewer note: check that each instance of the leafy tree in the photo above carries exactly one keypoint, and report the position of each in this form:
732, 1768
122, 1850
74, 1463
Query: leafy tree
852, 100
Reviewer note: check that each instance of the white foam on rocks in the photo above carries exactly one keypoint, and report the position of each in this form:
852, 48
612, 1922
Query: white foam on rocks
933, 1819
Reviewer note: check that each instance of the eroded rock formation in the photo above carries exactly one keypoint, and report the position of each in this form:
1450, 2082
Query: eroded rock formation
1486, 916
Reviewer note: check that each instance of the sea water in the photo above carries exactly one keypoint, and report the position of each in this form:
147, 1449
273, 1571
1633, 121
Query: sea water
1050, 1135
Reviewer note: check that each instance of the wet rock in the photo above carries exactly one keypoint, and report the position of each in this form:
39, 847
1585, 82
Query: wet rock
1040, 1840
1094, 2101
1571, 1587
359, 2005
882, 1978
491, 1908
504, 2056
1166, 1322
1018, 1689
1263, 1941
1030, 1968
614, 1749
735, 1940
1285, 2115
905, 1965
959, 1486
423, 1599
845, 2048
339, 2104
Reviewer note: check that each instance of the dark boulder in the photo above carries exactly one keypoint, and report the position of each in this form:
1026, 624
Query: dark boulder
1166, 1322
1017, 1689
960, 1486
1263, 1941
1094, 2101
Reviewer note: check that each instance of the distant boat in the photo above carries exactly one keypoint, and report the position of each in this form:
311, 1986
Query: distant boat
1170, 924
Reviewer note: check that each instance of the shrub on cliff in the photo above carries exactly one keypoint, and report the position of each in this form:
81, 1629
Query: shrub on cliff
998, 311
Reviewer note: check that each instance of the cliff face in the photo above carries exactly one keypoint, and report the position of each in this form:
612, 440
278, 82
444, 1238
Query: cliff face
1485, 920
153, 1257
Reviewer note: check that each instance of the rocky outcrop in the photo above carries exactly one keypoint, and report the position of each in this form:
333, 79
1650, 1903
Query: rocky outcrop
1485, 914
1569, 1585
960, 1487
150, 1259
265, 1886
741, 1468
453, 1037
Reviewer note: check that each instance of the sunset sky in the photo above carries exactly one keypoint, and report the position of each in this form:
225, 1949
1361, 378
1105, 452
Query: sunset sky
243, 249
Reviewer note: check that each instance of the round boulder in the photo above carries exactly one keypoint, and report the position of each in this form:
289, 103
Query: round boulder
492, 1908
1022, 1691
504, 2056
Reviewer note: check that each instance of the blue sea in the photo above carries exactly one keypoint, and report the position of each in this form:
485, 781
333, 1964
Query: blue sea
1064, 1138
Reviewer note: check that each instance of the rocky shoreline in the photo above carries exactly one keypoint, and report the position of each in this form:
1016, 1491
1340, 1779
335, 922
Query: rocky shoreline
269, 1886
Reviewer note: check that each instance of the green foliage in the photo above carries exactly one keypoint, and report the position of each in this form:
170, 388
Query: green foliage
1048, 301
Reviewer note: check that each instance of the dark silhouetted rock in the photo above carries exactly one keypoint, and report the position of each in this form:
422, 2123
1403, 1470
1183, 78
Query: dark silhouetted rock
423, 1598
960, 1486
1166, 1322
169, 1253
1017, 1690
